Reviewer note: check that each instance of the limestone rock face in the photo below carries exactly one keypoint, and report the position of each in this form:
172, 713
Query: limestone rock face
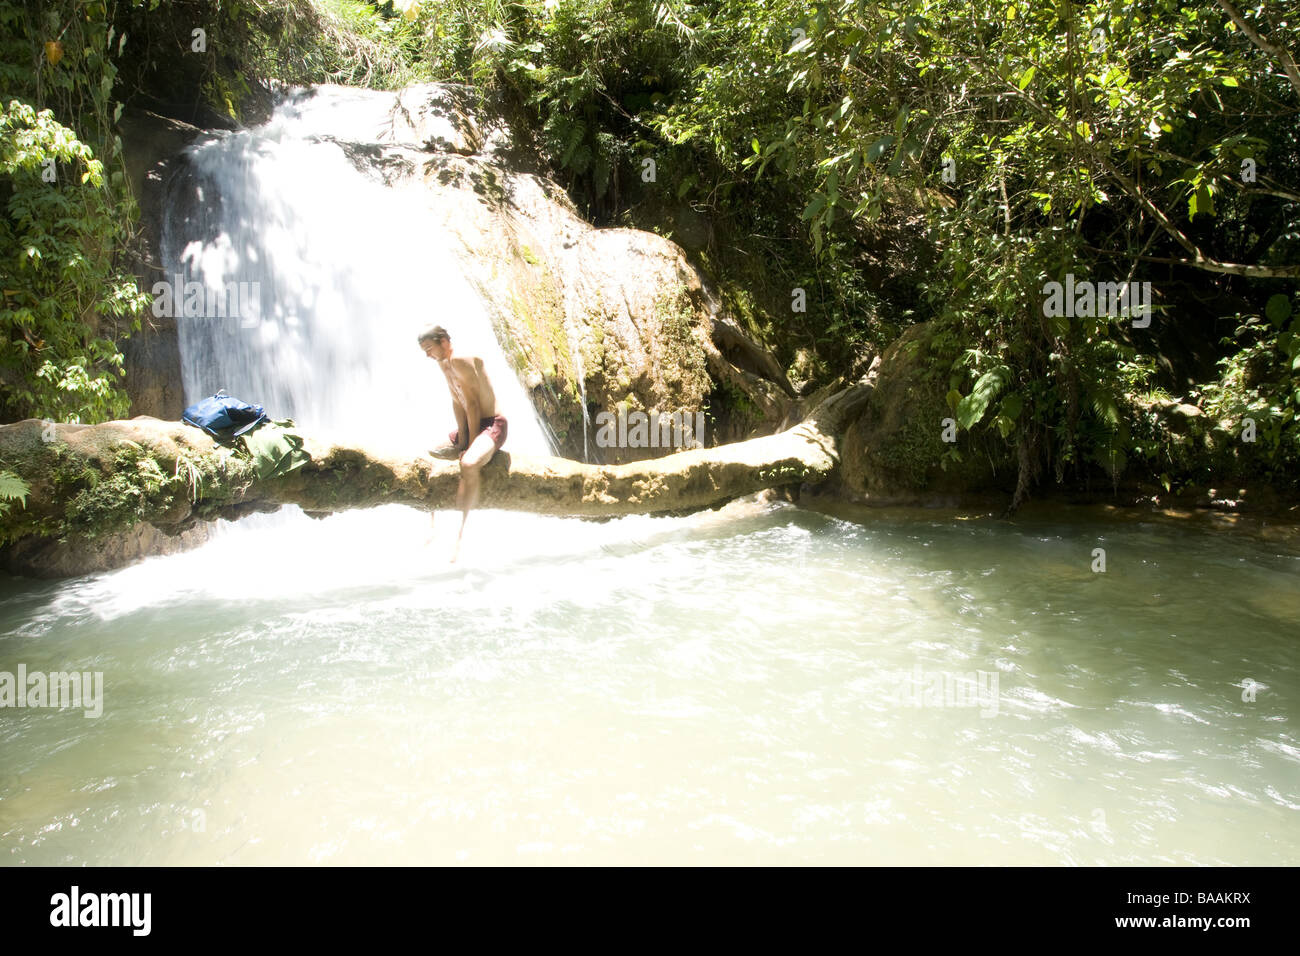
441, 118
594, 320
608, 320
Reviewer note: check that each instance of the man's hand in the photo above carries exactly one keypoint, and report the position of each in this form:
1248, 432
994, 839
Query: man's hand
462, 430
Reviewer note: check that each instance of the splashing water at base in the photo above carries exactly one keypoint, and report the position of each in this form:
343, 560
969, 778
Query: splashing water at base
729, 687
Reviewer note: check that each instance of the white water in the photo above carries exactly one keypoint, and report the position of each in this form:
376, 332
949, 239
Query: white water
723, 688
350, 270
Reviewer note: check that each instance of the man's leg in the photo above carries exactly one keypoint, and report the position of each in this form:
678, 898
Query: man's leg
447, 451
478, 454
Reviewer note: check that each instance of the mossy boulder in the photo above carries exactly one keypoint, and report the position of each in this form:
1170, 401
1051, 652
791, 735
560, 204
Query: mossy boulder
895, 452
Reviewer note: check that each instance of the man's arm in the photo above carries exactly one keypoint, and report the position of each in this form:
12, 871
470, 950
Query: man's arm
468, 375
473, 409
463, 436
467, 379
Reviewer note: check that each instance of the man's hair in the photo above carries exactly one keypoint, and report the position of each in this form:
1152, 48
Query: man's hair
435, 333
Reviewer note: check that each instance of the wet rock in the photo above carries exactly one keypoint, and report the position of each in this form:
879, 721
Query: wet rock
100, 494
46, 558
152, 147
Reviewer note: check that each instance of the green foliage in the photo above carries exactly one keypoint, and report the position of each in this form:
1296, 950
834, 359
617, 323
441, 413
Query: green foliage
12, 488
589, 74
971, 408
1052, 110
65, 297
248, 43
1041, 140
1260, 381
336, 41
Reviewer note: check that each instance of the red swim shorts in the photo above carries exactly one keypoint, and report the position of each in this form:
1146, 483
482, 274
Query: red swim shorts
495, 426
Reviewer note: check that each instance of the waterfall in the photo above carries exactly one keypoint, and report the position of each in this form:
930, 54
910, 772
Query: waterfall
575, 347
340, 273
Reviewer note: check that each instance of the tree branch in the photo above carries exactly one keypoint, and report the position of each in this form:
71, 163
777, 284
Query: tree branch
1275, 50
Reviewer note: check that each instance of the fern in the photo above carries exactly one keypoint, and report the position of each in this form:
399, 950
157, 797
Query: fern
12, 488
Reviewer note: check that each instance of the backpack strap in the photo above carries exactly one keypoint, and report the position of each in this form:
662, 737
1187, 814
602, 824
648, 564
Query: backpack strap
250, 426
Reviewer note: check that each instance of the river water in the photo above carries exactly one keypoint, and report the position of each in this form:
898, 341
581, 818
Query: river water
761, 684
749, 685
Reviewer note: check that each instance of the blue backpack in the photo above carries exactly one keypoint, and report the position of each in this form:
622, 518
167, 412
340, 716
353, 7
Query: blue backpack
224, 417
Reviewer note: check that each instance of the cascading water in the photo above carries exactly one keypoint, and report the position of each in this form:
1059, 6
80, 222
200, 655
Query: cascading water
348, 269
580, 372
344, 270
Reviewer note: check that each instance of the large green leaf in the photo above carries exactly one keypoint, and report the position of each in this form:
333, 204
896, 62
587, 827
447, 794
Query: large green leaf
877, 149
1278, 309
971, 409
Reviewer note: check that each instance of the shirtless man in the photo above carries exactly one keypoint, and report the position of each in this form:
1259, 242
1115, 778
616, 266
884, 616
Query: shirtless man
473, 401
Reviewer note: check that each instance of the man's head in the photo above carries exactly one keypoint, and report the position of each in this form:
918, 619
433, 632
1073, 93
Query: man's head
436, 342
